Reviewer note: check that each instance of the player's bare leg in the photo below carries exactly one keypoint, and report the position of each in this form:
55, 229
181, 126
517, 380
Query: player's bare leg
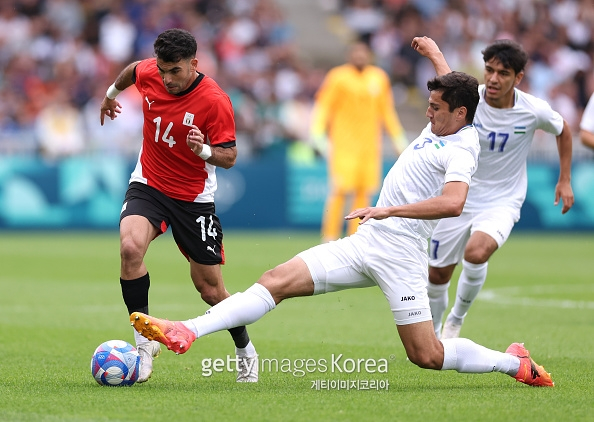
422, 347
437, 291
136, 234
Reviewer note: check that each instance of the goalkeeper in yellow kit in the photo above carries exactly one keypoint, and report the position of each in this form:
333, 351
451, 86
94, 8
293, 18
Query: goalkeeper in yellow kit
352, 106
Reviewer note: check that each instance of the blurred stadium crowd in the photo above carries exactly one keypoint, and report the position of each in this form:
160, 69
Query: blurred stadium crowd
57, 57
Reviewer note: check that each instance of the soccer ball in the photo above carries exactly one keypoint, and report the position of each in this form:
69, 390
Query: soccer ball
115, 363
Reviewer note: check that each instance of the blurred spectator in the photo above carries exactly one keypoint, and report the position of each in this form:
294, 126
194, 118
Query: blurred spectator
557, 34
117, 34
404, 66
122, 135
59, 127
68, 47
248, 46
364, 18
66, 16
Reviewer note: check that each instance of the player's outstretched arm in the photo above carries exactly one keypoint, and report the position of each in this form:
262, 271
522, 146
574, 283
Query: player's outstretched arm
110, 107
563, 189
449, 204
425, 46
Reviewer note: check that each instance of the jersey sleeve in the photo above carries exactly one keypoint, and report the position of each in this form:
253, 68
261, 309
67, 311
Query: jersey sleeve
221, 123
547, 119
141, 67
463, 160
461, 168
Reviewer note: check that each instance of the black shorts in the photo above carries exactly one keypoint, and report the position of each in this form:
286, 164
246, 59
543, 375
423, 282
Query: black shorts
195, 226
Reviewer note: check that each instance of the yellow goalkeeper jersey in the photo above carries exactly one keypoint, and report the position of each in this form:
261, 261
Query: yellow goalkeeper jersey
352, 107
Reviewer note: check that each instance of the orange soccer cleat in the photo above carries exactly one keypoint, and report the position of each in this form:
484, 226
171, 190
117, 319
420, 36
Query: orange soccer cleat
173, 334
529, 373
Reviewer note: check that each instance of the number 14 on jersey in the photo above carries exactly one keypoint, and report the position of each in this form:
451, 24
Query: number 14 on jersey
166, 138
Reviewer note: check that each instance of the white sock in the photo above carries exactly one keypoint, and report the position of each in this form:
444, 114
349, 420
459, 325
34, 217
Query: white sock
235, 311
438, 301
247, 351
464, 355
139, 338
471, 281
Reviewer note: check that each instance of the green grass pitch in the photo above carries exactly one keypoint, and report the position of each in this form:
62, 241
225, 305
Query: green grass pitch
60, 298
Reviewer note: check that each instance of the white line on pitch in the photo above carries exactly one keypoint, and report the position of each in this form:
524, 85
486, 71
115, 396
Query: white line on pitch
507, 299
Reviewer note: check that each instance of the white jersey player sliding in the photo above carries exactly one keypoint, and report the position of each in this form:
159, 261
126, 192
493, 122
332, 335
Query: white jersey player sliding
429, 181
506, 119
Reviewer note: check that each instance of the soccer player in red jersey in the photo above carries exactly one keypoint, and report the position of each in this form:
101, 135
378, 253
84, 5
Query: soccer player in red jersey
188, 131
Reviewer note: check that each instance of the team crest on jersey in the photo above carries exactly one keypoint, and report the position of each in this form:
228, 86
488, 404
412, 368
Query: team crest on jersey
438, 143
188, 119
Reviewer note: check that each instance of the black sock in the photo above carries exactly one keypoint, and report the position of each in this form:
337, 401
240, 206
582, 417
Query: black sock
135, 293
240, 336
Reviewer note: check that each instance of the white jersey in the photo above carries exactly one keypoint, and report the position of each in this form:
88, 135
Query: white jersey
420, 173
587, 122
505, 137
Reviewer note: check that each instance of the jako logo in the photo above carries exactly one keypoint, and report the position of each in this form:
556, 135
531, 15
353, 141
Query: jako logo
406, 298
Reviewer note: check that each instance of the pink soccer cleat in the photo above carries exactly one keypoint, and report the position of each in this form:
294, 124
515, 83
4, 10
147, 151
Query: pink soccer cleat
529, 373
173, 334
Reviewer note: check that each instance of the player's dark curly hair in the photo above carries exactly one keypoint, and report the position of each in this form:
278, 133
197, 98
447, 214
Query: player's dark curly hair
174, 45
509, 53
458, 89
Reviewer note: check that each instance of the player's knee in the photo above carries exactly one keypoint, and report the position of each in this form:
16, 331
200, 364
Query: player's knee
477, 255
425, 359
283, 285
209, 298
479, 249
212, 295
270, 280
130, 251
267, 277
439, 275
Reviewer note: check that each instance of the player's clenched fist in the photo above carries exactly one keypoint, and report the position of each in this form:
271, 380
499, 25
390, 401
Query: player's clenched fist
195, 139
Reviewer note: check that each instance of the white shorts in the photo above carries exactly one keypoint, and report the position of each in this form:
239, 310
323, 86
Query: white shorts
451, 234
398, 264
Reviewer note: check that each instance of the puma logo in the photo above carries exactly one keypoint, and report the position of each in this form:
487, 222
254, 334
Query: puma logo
148, 102
210, 248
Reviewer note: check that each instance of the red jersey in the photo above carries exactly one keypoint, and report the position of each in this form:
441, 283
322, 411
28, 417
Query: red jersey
165, 161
